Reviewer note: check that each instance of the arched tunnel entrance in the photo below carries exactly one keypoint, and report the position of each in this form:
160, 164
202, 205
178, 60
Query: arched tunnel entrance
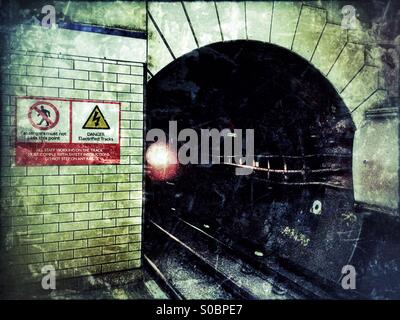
294, 214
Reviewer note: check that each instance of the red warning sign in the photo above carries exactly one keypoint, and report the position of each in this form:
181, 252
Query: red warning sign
53, 131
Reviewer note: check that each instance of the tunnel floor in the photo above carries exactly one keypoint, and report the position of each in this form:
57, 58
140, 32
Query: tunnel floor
190, 264
123, 285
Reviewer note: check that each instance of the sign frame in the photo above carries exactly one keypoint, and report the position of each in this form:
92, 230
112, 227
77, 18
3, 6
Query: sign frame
18, 162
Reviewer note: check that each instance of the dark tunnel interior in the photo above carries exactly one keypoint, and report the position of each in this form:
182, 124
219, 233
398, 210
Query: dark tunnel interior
296, 209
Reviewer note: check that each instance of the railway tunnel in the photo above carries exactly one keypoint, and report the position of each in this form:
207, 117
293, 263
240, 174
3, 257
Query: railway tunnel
287, 229
322, 196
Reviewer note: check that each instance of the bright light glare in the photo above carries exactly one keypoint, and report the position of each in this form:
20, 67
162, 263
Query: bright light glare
159, 156
162, 161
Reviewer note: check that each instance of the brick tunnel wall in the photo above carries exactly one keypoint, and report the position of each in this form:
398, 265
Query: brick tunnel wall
83, 219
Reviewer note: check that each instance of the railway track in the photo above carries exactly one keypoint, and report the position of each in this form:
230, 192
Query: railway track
192, 264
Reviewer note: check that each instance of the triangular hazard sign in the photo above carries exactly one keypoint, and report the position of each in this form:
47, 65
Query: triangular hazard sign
96, 120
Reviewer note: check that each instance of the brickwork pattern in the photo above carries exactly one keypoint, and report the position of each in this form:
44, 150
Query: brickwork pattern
80, 219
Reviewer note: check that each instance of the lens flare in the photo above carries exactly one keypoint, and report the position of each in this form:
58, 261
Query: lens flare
162, 161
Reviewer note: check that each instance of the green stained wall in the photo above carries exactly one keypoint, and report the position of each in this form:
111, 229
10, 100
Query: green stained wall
84, 219
117, 14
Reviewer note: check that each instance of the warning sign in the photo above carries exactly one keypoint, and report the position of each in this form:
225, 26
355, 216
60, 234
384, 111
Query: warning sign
67, 132
93, 122
41, 121
47, 113
96, 120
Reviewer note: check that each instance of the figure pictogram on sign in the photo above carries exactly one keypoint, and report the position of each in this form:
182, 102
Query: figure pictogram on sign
96, 120
43, 115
